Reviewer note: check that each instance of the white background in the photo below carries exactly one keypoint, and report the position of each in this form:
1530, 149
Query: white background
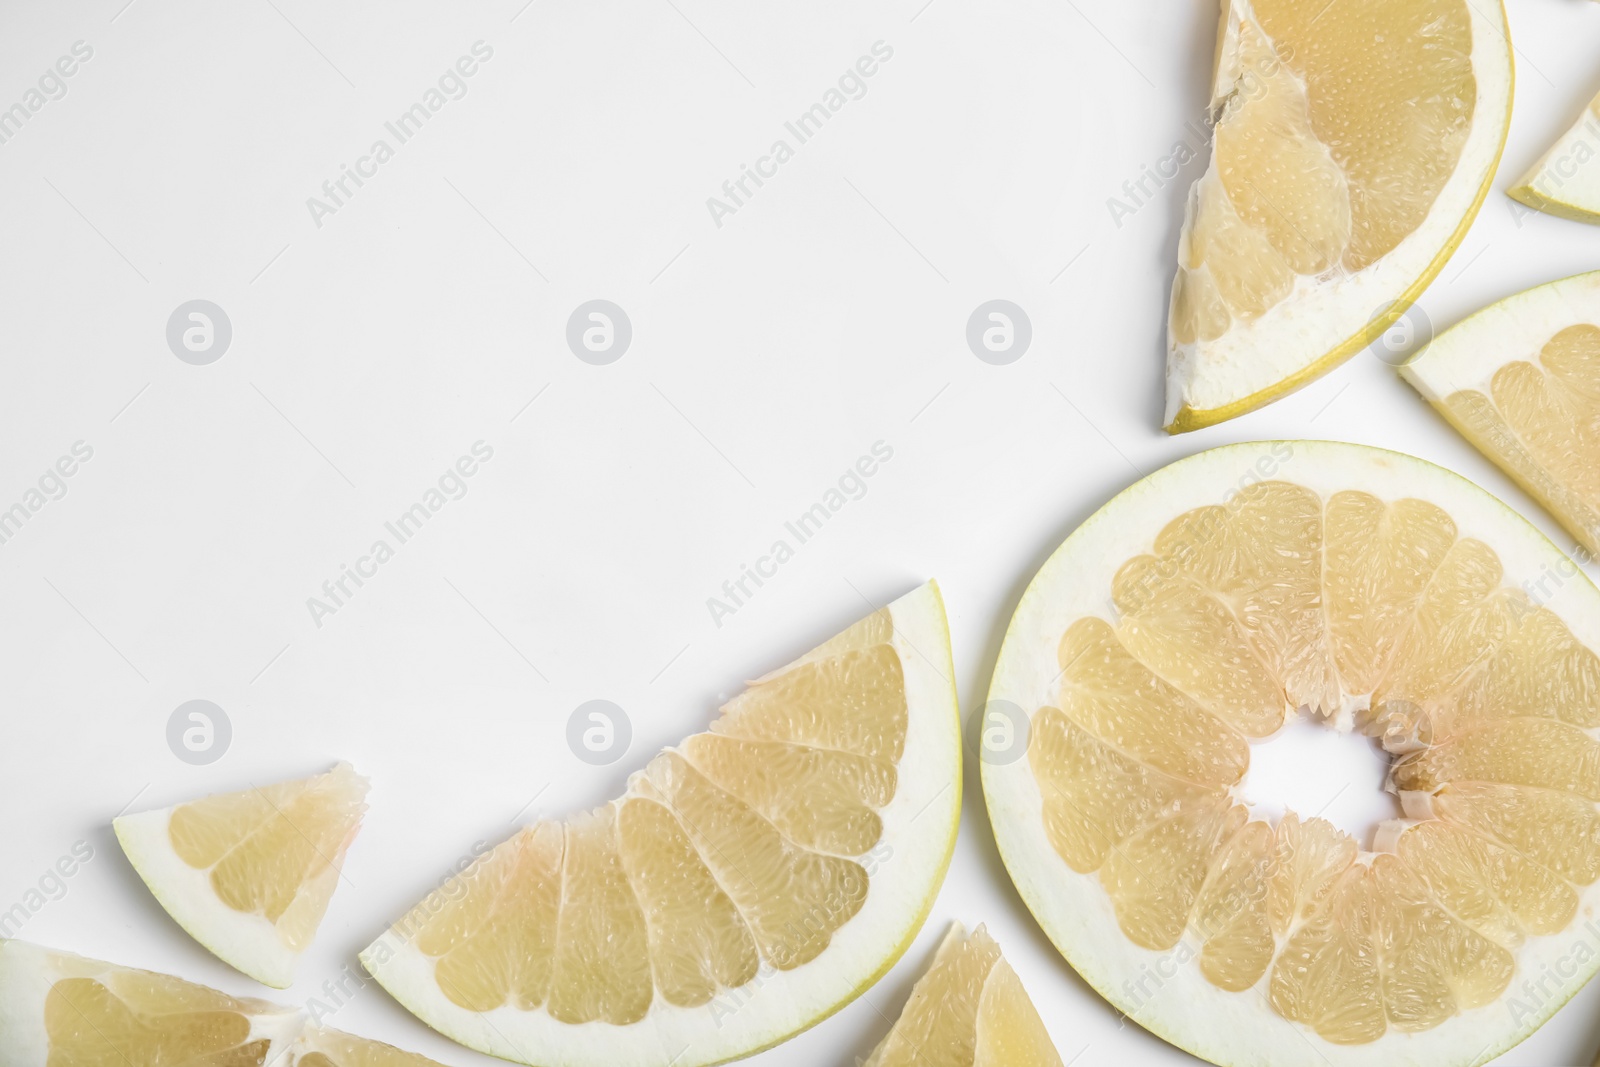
768, 354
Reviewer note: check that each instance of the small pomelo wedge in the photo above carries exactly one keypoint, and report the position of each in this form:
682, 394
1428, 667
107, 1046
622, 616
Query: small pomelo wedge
1389, 607
968, 1010
1521, 381
249, 874
751, 881
1566, 180
61, 1010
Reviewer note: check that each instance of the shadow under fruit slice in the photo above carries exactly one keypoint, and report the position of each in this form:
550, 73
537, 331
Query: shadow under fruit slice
249, 874
751, 880
1389, 608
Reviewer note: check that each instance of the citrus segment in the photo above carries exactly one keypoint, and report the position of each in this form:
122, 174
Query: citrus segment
250, 874
1511, 751
1010, 1032
1372, 593
1500, 892
750, 881
496, 945
1354, 144
1232, 915
1380, 558
1305, 865
1113, 696
1095, 797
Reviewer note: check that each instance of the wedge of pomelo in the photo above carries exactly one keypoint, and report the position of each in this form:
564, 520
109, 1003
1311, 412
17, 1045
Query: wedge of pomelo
249, 874
751, 881
1566, 180
1354, 142
968, 1010
1160, 650
1521, 380
61, 1010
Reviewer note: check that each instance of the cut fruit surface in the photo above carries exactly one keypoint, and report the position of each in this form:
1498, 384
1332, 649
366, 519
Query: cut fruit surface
61, 1010
1521, 381
751, 881
1179, 629
968, 1010
1566, 181
249, 874
318, 1046
1355, 142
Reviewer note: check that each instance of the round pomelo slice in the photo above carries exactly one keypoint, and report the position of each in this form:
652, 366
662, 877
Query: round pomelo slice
968, 1010
1354, 143
249, 874
319, 1046
1357, 592
751, 881
1566, 181
1521, 380
61, 1010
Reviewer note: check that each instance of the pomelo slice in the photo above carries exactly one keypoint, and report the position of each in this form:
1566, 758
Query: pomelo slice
320, 1046
1521, 380
968, 1010
1566, 180
1179, 629
249, 874
1355, 141
61, 1010
751, 881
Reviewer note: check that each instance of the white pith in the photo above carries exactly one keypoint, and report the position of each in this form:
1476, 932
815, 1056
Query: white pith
27, 972
1323, 313
918, 827
1165, 991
